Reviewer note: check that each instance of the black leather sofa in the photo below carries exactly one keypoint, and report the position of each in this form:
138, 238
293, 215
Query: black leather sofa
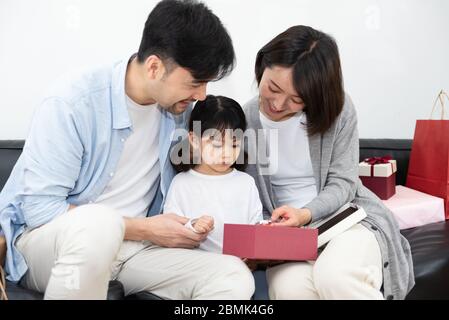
430, 243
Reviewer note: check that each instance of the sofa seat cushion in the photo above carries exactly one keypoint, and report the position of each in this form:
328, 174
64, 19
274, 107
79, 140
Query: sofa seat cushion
430, 252
17, 292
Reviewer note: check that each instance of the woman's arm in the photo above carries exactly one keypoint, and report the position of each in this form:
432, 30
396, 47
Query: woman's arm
342, 177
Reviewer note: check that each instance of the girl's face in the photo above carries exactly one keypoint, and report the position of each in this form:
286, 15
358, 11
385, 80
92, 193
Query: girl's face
278, 99
218, 151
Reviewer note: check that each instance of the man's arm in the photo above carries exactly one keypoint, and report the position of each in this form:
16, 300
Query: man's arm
51, 161
165, 230
343, 175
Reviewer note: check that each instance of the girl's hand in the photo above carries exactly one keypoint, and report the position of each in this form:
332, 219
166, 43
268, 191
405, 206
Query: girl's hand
290, 217
204, 224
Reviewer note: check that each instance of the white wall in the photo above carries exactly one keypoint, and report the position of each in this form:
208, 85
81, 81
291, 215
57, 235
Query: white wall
395, 53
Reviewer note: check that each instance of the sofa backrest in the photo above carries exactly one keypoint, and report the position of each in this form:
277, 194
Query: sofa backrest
10, 151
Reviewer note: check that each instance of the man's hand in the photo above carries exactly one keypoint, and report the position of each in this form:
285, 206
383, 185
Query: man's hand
204, 224
290, 217
165, 230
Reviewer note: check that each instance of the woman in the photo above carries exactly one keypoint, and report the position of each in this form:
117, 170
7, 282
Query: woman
315, 171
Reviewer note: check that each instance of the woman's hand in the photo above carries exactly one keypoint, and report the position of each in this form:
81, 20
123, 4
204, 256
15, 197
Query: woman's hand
290, 217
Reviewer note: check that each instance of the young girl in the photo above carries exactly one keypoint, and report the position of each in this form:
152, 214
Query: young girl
211, 190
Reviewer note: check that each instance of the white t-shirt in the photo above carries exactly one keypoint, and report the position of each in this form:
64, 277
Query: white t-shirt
292, 179
228, 198
135, 181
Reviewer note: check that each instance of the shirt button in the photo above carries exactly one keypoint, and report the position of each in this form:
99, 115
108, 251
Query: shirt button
111, 174
122, 139
385, 264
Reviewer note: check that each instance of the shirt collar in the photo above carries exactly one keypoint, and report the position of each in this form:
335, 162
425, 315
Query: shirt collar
120, 116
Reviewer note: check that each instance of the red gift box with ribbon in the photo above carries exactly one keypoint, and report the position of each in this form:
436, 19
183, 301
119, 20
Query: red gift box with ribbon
379, 175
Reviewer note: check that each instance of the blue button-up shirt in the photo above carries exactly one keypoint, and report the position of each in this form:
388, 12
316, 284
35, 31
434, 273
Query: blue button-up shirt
76, 139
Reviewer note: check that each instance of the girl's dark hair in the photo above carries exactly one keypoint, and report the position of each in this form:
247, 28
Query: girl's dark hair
317, 75
215, 112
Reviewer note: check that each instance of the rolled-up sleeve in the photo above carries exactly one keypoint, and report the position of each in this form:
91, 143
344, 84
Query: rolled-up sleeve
52, 158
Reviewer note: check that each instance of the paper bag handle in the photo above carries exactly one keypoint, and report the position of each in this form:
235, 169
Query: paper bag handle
440, 98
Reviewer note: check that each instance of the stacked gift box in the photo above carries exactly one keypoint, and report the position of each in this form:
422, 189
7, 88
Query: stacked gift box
411, 208
379, 175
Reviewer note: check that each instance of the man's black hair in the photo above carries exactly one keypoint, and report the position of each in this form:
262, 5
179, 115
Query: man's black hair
190, 35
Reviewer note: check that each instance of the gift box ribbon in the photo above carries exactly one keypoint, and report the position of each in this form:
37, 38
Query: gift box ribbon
372, 161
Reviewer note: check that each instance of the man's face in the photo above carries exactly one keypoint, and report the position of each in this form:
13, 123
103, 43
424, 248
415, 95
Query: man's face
176, 89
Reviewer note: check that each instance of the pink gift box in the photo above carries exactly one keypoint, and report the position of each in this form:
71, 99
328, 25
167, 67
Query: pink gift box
412, 208
268, 242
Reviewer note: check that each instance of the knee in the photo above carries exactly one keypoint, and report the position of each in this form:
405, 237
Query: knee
330, 281
236, 276
95, 233
291, 282
279, 286
284, 290
98, 219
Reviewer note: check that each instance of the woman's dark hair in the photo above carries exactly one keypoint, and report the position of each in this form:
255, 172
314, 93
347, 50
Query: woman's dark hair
219, 113
317, 78
190, 35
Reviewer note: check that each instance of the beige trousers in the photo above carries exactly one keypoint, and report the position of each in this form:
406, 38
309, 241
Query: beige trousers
350, 267
75, 256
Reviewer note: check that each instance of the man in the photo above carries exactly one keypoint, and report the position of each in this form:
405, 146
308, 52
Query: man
78, 209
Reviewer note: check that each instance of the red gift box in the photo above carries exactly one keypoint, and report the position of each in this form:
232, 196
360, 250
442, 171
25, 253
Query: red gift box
270, 243
379, 175
383, 187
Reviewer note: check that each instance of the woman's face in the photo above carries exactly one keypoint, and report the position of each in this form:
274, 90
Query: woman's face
278, 99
